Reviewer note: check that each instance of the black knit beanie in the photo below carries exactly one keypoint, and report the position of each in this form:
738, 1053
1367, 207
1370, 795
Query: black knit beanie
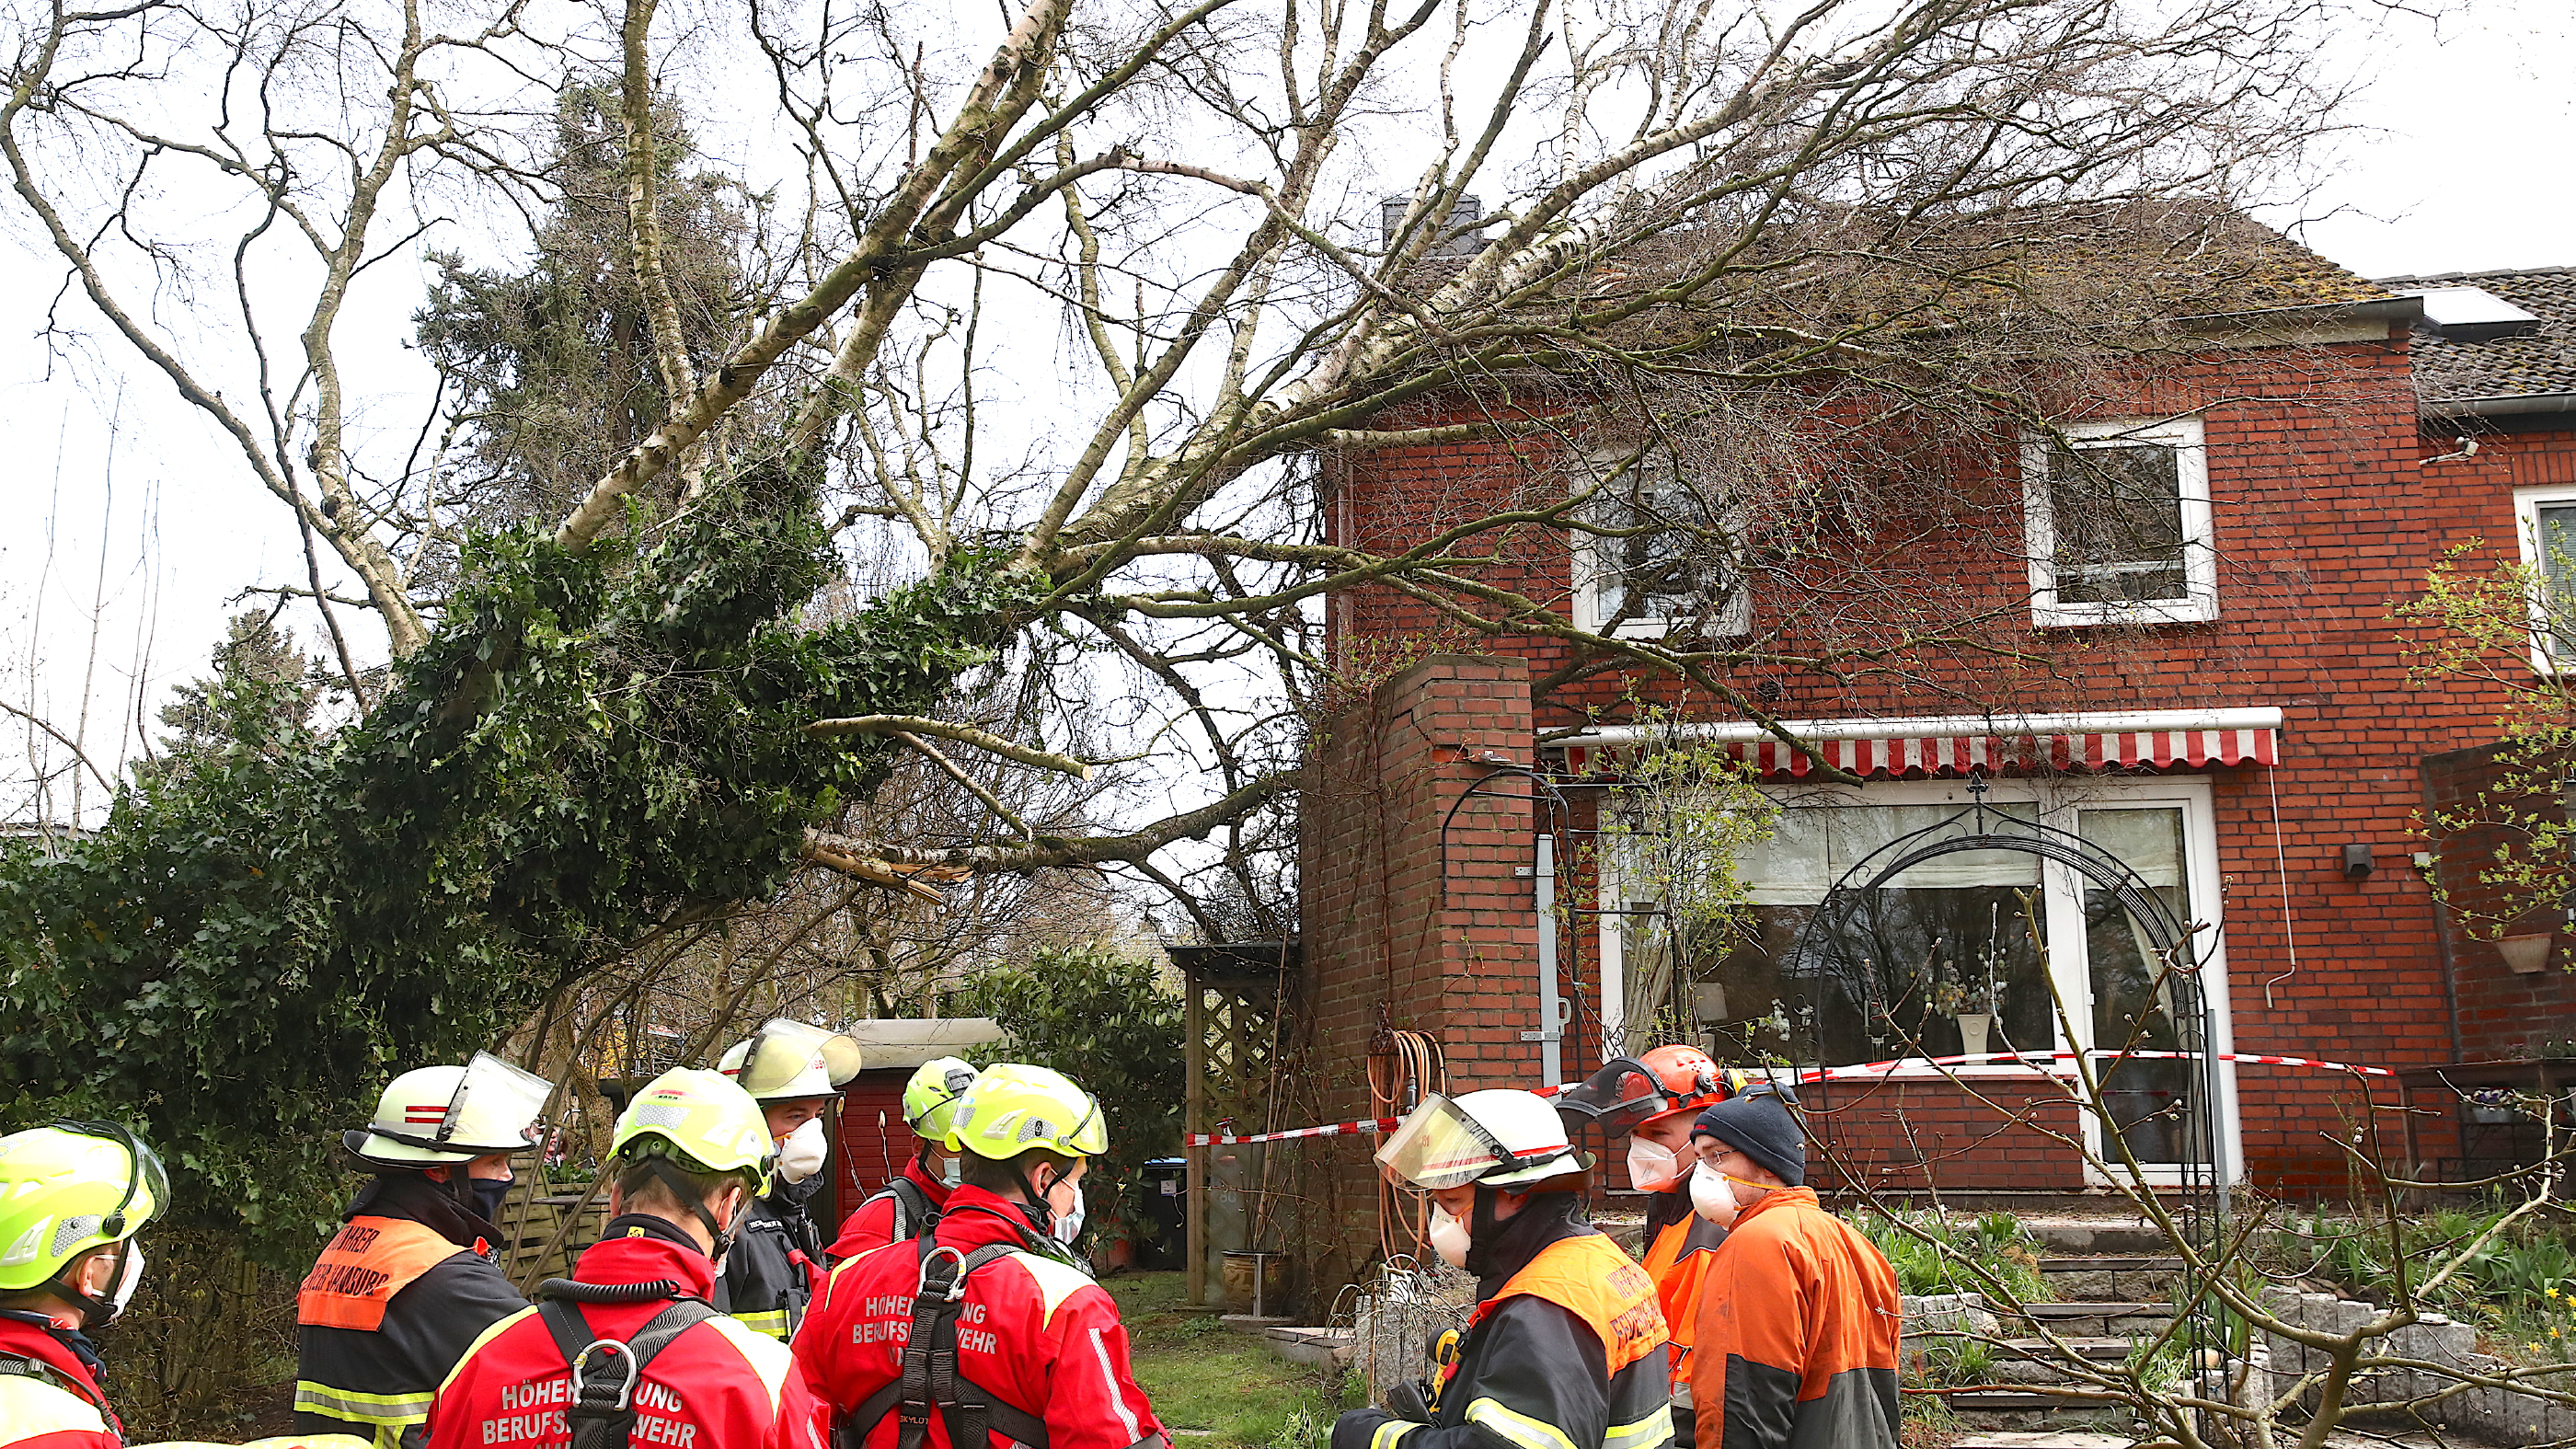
1761, 1128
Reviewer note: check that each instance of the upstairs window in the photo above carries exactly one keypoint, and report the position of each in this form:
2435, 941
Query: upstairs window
1676, 574
2547, 525
2118, 525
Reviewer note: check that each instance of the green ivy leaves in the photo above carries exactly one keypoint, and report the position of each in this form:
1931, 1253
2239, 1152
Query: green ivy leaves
592, 743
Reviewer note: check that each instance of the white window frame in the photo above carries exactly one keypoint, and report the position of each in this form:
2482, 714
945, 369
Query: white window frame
2199, 603
2527, 503
1731, 622
2061, 887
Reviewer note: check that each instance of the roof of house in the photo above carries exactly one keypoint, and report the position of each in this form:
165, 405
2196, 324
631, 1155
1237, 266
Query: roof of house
2065, 271
2529, 365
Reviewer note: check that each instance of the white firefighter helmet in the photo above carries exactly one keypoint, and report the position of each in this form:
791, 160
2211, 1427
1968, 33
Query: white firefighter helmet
436, 1115
1495, 1138
788, 1061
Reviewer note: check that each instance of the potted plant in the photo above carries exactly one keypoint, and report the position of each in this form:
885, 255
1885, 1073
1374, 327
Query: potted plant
1970, 1004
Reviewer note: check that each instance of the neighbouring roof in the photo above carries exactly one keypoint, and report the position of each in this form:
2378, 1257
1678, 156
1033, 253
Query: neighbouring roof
888, 1042
2495, 364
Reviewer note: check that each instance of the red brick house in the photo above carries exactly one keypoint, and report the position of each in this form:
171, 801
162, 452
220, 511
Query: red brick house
2209, 689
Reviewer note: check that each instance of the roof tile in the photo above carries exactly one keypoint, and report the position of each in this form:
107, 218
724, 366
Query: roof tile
2450, 370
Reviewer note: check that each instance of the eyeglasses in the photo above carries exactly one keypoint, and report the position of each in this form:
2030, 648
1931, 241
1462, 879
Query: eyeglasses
143, 1170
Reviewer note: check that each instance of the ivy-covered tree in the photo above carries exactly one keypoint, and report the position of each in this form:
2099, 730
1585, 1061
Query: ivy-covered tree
605, 745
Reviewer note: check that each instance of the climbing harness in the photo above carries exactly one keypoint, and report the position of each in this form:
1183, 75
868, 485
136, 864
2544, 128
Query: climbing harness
930, 1379
605, 1371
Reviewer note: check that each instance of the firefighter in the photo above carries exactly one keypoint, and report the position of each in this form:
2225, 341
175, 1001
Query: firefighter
983, 1332
906, 1206
72, 1197
794, 1071
1565, 1346
401, 1291
1798, 1313
1650, 1100
657, 1364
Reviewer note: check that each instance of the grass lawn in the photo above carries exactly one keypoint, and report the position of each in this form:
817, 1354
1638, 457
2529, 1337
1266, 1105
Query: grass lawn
1215, 1388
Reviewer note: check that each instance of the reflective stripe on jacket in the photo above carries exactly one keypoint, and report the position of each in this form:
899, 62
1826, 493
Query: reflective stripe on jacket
1798, 1327
389, 1308
717, 1385
48, 1397
767, 1281
1034, 1333
1565, 1352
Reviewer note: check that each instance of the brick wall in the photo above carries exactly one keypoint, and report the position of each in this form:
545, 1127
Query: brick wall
1391, 935
2325, 516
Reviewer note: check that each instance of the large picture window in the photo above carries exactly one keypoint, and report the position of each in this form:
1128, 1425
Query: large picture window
2118, 525
1968, 952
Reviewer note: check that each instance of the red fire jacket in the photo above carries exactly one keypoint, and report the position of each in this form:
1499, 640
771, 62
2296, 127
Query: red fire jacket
49, 1399
1033, 1333
719, 1385
871, 1223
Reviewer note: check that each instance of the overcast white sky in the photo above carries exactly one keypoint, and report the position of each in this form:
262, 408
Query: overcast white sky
2458, 163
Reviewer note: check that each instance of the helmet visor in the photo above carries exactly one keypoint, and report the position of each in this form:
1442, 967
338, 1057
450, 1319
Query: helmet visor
1090, 1136
145, 1178
785, 1050
1438, 1146
500, 1093
1624, 1093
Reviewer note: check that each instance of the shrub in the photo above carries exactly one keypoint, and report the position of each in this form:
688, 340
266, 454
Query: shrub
1106, 1022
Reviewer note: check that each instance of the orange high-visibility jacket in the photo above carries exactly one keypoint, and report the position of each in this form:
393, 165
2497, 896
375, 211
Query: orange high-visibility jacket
1798, 1326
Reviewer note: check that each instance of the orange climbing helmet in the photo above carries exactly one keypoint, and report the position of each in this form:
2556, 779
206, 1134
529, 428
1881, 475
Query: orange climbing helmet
1629, 1092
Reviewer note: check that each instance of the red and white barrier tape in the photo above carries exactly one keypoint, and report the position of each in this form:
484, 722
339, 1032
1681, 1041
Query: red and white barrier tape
2019, 1058
1870, 1069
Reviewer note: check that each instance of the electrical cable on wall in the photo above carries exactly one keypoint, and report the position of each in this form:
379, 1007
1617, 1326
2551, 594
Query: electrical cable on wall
1403, 1068
2281, 867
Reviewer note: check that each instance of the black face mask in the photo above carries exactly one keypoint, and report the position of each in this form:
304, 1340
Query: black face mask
489, 1193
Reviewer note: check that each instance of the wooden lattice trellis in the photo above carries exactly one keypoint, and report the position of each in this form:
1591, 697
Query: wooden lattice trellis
1239, 1003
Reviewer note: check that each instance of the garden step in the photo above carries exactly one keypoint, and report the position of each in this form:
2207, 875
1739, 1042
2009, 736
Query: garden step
1316, 1346
2091, 1348
2037, 1361
2072, 1236
2013, 1401
2113, 1275
2094, 1318
2041, 1440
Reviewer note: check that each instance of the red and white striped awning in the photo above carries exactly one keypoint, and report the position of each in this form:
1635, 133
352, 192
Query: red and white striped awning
2142, 739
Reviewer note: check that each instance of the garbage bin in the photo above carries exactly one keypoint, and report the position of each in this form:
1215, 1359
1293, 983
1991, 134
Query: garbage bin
1164, 1246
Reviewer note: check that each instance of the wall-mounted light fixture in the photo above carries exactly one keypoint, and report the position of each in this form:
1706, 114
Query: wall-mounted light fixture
2356, 861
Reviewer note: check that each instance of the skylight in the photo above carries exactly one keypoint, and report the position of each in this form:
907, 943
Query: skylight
2472, 314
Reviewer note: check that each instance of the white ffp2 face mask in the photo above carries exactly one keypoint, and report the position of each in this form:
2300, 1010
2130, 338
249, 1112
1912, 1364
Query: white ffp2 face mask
803, 1153
121, 1292
1449, 1237
1713, 1195
1067, 1224
1652, 1167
